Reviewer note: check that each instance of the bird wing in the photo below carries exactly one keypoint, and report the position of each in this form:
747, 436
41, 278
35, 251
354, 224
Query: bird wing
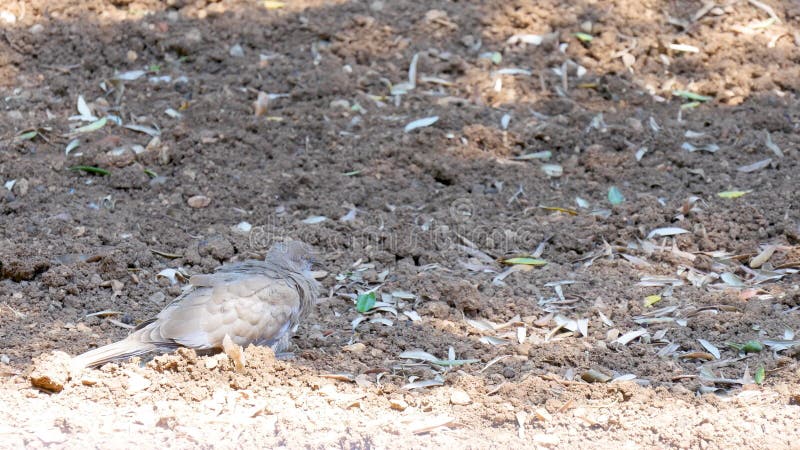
250, 308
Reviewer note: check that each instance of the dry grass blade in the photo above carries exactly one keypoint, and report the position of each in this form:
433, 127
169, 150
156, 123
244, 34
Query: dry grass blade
668, 350
711, 348
121, 324
668, 231
481, 324
340, 376
491, 340
104, 313
636, 261
630, 336
773, 147
760, 259
756, 166
498, 279
493, 362
766, 8
420, 123
430, 424
423, 384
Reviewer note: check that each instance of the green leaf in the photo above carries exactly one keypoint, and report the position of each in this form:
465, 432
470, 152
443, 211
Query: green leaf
150, 173
365, 302
651, 300
735, 346
94, 126
760, 375
91, 169
525, 261
352, 173
733, 194
690, 105
615, 197
752, 347
692, 96
584, 37
26, 136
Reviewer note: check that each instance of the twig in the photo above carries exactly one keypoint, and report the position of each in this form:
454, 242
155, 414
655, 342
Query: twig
11, 43
766, 8
520, 191
493, 362
703, 11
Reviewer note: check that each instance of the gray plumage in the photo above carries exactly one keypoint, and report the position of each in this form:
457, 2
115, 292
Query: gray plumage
253, 302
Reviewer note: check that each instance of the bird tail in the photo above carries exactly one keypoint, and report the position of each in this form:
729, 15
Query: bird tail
123, 349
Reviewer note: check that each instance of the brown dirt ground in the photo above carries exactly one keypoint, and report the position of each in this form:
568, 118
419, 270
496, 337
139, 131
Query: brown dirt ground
73, 244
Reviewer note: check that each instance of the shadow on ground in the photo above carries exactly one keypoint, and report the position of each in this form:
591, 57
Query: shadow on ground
426, 212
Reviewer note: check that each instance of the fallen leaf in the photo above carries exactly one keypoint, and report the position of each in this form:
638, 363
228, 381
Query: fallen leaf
758, 165
733, 194
314, 220
94, 126
668, 231
525, 261
615, 197
420, 123
630, 336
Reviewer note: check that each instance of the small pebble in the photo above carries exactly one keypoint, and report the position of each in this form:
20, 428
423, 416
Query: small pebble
358, 347
242, 228
199, 201
459, 397
193, 36
21, 187
89, 380
157, 298
236, 51
261, 104
398, 404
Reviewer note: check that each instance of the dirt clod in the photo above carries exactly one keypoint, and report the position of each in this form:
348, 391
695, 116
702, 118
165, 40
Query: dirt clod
269, 113
51, 371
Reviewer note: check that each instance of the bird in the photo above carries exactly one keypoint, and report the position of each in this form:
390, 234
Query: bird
249, 302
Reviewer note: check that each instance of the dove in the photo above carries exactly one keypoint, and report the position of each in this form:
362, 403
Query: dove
249, 302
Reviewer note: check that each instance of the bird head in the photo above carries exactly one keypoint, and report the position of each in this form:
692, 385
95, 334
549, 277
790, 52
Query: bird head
292, 255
